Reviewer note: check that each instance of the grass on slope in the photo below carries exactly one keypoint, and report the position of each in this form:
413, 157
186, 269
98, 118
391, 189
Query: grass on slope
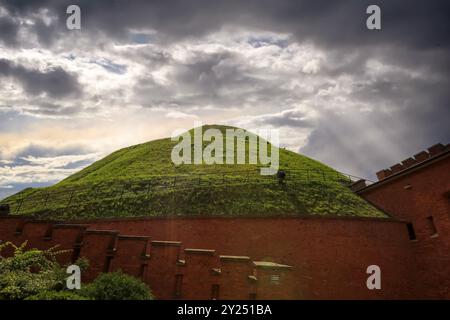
141, 180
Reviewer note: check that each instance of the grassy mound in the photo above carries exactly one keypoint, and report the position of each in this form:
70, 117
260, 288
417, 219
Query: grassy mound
141, 180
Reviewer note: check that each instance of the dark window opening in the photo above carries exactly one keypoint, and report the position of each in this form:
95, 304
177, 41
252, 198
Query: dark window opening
107, 265
432, 226
76, 254
142, 271
411, 232
178, 284
215, 292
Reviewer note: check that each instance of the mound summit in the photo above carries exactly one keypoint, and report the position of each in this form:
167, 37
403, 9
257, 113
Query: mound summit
141, 180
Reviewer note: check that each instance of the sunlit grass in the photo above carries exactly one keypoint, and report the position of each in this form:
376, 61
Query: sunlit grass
141, 180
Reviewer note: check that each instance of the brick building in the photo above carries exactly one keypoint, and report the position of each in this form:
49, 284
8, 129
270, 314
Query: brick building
417, 190
286, 257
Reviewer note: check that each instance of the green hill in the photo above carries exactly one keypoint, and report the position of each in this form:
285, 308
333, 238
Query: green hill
141, 180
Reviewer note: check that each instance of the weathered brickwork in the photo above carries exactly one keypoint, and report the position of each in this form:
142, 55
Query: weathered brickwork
420, 195
276, 257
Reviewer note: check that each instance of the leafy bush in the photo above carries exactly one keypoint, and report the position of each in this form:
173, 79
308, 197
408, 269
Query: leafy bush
29, 272
117, 286
34, 274
57, 295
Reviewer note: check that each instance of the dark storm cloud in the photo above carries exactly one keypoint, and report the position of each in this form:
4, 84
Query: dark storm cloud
365, 142
39, 151
220, 79
8, 31
414, 33
48, 33
52, 109
55, 82
403, 112
418, 24
76, 164
286, 118
25, 155
12, 188
112, 67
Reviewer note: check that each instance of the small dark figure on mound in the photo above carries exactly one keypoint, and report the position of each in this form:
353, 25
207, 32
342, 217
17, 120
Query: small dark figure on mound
280, 176
4, 209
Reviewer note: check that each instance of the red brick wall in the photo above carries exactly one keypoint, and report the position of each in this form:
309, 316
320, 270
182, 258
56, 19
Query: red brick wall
237, 271
98, 247
269, 290
131, 255
329, 255
198, 277
162, 268
415, 196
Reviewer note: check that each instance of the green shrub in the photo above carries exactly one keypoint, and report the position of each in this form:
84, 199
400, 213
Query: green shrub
29, 272
57, 295
117, 286
33, 272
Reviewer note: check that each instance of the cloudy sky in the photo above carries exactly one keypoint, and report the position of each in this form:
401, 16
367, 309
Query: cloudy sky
356, 99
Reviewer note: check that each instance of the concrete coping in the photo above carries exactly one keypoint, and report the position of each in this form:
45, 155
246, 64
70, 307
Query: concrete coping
46, 221
105, 232
166, 243
127, 237
200, 251
235, 258
252, 278
16, 217
270, 265
69, 226
216, 271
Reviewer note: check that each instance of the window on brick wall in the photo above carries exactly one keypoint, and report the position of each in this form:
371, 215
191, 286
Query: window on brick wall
178, 284
432, 226
275, 279
215, 292
411, 231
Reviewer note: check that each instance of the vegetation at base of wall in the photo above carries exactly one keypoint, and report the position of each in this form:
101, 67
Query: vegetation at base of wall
33, 274
117, 286
141, 180
57, 295
29, 272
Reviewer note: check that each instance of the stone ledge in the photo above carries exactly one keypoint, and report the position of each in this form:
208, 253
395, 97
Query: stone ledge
166, 243
200, 251
235, 258
270, 265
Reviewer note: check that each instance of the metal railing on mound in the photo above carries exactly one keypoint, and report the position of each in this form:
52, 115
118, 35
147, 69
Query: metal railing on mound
115, 191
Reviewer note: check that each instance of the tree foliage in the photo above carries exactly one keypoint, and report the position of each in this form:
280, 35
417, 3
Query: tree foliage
29, 272
57, 295
34, 274
117, 286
